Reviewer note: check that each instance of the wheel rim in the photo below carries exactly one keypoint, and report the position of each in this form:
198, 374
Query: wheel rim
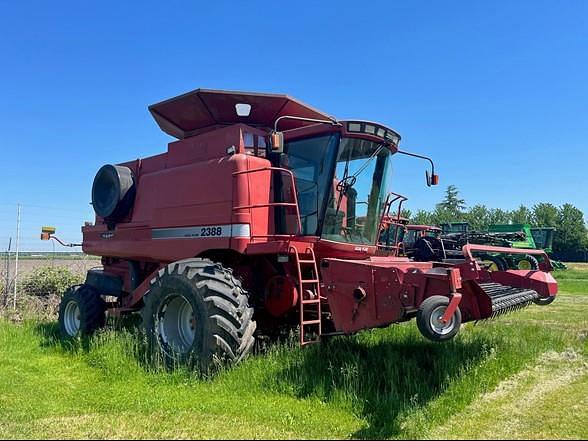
524, 265
437, 325
177, 324
71, 318
490, 265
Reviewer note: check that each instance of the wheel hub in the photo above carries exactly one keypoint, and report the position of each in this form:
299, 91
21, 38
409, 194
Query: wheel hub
437, 323
72, 319
177, 324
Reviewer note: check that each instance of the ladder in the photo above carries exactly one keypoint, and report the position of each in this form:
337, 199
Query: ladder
309, 297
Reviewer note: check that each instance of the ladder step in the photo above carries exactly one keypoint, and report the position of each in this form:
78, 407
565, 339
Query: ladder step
310, 342
309, 288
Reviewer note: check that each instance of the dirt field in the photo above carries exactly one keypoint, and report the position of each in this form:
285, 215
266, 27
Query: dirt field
27, 264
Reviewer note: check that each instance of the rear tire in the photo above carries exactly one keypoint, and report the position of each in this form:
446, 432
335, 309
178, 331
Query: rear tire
197, 314
81, 312
528, 263
494, 263
428, 319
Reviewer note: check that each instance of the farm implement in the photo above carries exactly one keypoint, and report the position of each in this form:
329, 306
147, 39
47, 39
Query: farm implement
520, 236
265, 214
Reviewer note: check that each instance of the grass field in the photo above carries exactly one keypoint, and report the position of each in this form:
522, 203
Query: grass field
524, 375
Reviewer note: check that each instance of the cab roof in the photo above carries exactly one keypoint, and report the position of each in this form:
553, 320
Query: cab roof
194, 112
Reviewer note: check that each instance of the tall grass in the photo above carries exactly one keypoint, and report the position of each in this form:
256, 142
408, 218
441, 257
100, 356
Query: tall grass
392, 381
386, 383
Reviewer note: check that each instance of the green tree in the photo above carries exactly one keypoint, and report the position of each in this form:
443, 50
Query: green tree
423, 217
443, 215
571, 234
545, 215
478, 217
452, 202
405, 213
522, 215
499, 216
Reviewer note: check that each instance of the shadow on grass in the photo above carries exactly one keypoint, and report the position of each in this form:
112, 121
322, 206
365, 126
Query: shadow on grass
121, 343
381, 380
51, 336
382, 376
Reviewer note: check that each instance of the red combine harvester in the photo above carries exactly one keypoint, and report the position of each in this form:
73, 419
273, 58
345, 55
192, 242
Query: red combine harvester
264, 215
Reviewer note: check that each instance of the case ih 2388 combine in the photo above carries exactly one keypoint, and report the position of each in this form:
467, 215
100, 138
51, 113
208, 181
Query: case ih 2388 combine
264, 215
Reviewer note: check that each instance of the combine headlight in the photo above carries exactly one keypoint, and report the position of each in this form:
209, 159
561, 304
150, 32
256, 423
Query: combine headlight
354, 127
370, 129
374, 130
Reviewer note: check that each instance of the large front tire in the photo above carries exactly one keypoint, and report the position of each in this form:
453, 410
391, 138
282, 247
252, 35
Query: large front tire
197, 314
81, 312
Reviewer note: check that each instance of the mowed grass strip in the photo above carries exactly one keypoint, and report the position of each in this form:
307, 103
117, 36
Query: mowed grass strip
387, 383
548, 401
573, 281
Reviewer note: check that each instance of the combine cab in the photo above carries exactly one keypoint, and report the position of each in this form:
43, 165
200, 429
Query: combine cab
265, 215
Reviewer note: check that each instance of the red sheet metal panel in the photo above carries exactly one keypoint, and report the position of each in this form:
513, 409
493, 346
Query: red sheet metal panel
200, 109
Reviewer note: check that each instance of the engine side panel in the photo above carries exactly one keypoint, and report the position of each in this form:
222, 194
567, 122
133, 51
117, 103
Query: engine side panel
186, 202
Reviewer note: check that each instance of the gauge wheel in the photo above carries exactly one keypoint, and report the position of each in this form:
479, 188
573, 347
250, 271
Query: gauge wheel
429, 320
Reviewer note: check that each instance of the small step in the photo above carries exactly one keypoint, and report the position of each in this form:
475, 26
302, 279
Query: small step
311, 322
310, 342
311, 301
307, 261
310, 281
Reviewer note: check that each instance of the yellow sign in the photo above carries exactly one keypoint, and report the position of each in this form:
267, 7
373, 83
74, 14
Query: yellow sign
48, 230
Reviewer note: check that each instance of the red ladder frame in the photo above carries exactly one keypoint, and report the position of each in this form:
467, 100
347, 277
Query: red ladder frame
309, 296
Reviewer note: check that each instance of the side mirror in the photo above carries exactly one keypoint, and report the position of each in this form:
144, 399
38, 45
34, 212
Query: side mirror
277, 142
432, 179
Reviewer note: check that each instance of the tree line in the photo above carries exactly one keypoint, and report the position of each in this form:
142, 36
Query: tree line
571, 232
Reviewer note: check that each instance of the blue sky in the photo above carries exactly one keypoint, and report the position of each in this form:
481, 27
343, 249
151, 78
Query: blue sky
496, 92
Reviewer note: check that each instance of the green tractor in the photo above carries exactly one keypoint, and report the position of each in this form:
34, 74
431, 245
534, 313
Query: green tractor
534, 238
520, 236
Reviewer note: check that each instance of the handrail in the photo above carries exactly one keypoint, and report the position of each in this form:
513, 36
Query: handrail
274, 204
385, 213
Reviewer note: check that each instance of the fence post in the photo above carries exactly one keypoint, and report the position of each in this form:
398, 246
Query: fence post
7, 283
17, 251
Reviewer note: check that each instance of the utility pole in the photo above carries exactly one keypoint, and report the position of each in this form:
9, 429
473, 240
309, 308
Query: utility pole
17, 251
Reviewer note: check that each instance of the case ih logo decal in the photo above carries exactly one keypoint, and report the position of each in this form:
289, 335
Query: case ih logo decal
206, 231
108, 235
